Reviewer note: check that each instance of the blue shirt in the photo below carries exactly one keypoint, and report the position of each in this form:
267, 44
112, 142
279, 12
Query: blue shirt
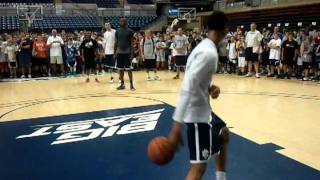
71, 53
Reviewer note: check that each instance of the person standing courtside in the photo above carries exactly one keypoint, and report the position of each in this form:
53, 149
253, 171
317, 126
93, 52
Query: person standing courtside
147, 47
180, 44
55, 42
253, 40
89, 53
123, 52
25, 55
108, 45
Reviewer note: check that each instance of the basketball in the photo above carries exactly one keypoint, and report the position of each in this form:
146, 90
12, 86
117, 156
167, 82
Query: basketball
160, 151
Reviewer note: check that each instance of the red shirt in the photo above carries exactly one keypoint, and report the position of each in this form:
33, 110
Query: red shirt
41, 48
317, 40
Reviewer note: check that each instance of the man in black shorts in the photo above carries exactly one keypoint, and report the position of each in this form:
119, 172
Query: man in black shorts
253, 41
89, 52
123, 52
289, 54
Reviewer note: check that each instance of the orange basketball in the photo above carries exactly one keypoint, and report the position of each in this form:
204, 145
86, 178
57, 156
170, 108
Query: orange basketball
160, 150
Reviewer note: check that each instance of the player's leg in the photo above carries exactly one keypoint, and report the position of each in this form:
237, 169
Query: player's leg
249, 68
199, 145
154, 68
147, 67
128, 67
221, 158
196, 171
87, 69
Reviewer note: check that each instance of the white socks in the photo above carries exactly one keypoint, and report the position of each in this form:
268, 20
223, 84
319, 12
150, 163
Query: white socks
220, 175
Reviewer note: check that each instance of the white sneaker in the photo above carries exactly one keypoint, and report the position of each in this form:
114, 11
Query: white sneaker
111, 81
29, 76
23, 76
248, 75
257, 75
157, 78
149, 79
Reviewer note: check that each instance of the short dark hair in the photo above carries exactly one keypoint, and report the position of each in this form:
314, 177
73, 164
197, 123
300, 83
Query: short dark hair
217, 21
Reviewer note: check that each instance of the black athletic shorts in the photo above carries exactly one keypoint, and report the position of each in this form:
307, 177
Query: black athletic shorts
274, 62
250, 56
307, 65
150, 63
288, 62
223, 59
124, 62
39, 61
109, 61
90, 63
71, 63
204, 139
181, 61
13, 65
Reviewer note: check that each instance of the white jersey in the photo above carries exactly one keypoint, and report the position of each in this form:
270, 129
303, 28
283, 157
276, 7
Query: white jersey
148, 46
109, 41
253, 40
194, 100
181, 42
275, 53
55, 49
232, 51
10, 51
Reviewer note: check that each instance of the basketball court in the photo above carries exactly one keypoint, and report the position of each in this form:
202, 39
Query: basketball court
68, 129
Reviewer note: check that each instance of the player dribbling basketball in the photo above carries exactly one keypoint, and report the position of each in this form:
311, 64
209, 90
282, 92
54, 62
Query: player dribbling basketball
207, 134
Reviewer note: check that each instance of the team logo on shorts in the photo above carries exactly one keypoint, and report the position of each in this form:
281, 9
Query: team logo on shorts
68, 132
205, 154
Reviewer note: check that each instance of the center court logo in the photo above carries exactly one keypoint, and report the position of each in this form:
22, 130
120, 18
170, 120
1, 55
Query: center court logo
75, 131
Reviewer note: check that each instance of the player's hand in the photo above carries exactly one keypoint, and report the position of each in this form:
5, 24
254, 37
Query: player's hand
175, 136
214, 91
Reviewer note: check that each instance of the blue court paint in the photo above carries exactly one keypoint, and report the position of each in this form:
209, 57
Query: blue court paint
122, 157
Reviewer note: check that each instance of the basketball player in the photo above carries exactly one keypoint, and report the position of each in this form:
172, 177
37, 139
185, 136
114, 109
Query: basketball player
180, 45
123, 52
108, 44
207, 135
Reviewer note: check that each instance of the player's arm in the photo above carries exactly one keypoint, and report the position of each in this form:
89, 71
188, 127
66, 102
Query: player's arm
115, 44
317, 51
49, 42
61, 41
259, 44
141, 47
6, 55
175, 136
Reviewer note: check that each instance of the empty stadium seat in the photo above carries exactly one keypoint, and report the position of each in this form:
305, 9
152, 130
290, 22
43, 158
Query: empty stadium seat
9, 23
140, 2
67, 23
100, 3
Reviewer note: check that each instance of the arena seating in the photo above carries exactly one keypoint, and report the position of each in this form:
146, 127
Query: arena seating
9, 23
134, 22
67, 23
27, 1
100, 3
293, 15
140, 1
